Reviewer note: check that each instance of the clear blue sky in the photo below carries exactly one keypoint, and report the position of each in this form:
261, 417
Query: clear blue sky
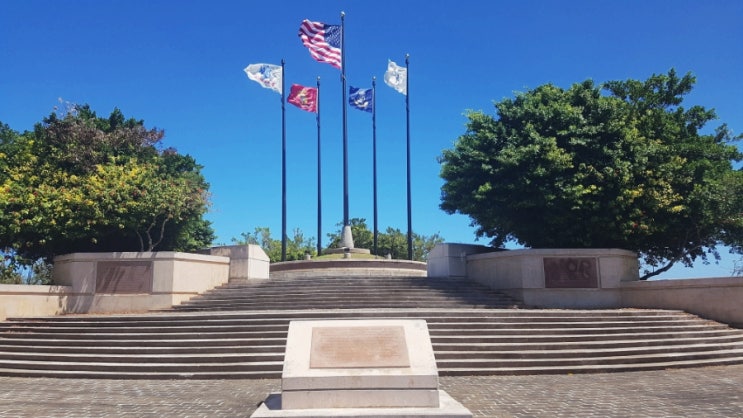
178, 65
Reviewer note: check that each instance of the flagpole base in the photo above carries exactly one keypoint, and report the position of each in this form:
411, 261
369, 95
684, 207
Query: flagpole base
344, 250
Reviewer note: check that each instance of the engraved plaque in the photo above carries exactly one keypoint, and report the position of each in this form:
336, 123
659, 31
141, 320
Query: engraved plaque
358, 347
123, 277
571, 272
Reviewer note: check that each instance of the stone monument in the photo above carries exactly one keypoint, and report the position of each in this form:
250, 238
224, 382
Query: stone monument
360, 368
346, 245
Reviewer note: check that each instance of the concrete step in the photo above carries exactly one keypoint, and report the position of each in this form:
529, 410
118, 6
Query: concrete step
150, 368
239, 331
603, 368
138, 374
581, 351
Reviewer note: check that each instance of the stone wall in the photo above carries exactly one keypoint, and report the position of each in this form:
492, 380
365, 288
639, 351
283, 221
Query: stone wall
32, 300
565, 279
557, 278
136, 281
719, 299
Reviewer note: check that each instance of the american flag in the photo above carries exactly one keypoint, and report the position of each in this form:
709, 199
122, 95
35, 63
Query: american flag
323, 41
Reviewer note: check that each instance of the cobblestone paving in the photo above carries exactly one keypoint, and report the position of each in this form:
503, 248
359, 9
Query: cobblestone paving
702, 392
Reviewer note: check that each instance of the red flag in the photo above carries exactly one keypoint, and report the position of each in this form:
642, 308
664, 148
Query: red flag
304, 98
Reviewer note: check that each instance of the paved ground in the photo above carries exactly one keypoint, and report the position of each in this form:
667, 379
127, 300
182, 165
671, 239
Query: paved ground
702, 392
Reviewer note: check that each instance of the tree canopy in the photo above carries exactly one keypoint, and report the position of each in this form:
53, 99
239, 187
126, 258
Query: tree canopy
79, 182
618, 165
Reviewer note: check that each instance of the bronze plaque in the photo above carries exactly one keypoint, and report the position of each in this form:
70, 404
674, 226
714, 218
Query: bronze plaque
571, 272
123, 277
358, 347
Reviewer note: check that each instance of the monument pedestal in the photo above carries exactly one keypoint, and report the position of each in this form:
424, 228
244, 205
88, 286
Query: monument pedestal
360, 368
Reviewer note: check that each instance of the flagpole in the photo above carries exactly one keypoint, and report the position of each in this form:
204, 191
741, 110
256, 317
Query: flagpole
283, 167
407, 120
319, 176
345, 131
374, 156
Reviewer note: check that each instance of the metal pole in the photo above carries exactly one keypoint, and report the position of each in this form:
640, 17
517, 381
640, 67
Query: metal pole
407, 119
374, 157
345, 131
283, 167
319, 176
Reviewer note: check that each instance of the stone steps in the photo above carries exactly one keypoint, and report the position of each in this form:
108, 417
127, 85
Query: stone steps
348, 293
239, 331
213, 345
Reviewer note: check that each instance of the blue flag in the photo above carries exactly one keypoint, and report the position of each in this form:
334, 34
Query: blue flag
362, 99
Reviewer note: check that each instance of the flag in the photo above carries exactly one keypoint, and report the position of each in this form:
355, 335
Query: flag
267, 75
396, 77
361, 99
304, 98
323, 41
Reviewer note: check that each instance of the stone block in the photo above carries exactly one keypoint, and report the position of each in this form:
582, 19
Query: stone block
360, 368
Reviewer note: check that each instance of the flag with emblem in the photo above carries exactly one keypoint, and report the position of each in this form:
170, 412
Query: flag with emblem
267, 75
323, 41
304, 98
396, 77
362, 99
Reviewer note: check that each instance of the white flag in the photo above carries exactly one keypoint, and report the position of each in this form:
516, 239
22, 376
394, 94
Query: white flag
396, 77
267, 75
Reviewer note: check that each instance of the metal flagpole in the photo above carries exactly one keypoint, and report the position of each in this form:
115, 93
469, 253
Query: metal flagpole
374, 156
407, 119
283, 167
345, 131
319, 176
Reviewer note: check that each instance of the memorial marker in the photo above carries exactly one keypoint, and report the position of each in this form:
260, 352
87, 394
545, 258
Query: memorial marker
360, 368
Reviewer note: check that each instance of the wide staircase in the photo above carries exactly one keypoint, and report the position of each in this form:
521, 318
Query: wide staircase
239, 331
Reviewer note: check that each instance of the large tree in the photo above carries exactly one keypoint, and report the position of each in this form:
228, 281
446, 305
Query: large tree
79, 182
619, 165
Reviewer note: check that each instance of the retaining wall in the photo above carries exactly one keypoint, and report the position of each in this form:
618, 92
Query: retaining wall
587, 278
719, 299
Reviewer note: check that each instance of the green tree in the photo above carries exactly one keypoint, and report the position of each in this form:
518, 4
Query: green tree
578, 168
79, 182
296, 247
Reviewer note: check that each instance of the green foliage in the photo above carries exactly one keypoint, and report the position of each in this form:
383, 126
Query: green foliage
16, 270
84, 183
578, 168
296, 247
393, 241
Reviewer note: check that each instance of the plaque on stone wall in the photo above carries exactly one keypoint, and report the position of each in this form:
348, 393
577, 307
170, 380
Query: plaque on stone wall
358, 347
571, 272
123, 277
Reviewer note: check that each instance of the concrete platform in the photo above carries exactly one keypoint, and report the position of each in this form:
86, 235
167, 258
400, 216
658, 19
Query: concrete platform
448, 408
349, 268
